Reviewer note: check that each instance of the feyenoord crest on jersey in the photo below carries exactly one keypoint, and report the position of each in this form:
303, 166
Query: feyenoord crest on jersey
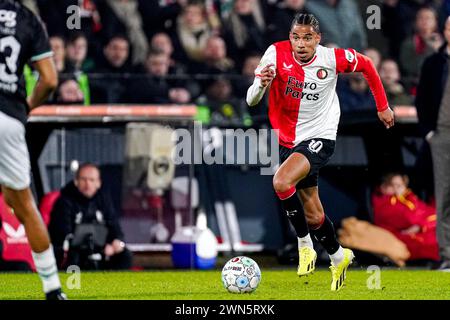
322, 73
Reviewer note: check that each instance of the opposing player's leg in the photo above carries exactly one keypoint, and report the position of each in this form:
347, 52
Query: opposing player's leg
322, 229
15, 182
295, 168
22, 202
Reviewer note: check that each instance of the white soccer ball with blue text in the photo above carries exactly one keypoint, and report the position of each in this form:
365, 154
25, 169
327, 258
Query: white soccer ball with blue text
241, 275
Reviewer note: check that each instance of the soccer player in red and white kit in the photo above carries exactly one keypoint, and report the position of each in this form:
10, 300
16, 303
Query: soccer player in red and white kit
304, 108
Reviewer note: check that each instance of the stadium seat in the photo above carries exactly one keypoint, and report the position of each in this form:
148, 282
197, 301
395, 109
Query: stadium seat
46, 205
12, 233
13, 237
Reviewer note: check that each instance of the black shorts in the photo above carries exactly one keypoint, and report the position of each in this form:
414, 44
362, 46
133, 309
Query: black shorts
317, 151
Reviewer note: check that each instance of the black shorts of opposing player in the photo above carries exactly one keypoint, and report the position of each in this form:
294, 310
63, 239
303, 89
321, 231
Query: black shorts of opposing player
317, 151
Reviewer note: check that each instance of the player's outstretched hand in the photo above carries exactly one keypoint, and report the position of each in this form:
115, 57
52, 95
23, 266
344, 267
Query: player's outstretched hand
267, 75
387, 117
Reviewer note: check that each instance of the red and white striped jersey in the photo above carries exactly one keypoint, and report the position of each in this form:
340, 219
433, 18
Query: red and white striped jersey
303, 103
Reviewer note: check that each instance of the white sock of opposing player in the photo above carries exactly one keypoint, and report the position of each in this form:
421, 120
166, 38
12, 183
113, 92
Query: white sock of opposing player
337, 257
45, 263
305, 241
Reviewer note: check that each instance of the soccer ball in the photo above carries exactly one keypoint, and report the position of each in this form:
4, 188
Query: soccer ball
241, 275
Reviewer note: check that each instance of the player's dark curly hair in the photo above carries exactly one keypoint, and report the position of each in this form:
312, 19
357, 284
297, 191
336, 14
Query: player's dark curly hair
306, 19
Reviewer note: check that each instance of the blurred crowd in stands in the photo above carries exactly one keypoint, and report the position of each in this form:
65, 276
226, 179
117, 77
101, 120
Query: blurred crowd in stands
205, 51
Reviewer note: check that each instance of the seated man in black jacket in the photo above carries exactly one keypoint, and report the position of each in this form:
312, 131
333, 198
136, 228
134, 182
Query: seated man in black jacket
80, 218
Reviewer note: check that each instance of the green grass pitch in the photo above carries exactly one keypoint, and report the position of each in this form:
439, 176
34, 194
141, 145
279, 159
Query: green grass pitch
206, 285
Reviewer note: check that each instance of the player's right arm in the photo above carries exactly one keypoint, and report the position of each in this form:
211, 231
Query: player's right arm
48, 80
264, 74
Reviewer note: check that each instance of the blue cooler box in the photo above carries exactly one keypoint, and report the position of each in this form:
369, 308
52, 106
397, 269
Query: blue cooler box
194, 248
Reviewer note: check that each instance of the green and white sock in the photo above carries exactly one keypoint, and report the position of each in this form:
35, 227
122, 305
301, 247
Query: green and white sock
45, 263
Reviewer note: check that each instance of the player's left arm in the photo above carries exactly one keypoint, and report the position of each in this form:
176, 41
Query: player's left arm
41, 57
48, 80
349, 60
